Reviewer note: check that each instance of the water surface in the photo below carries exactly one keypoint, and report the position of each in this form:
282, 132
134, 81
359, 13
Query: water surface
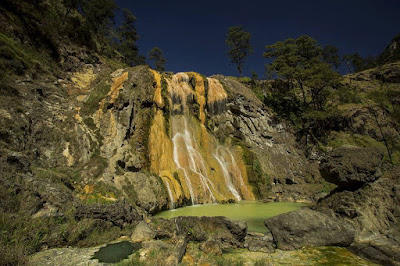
252, 212
116, 252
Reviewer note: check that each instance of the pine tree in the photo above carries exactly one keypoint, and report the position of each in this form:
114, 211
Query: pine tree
128, 37
156, 55
238, 41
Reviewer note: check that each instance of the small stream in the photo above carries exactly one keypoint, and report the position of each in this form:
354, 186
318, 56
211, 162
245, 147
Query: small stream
252, 212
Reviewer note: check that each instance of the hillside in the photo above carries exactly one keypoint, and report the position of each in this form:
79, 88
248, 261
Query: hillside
90, 148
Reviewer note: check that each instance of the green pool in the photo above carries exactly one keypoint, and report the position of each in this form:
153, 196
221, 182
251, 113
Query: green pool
116, 252
254, 213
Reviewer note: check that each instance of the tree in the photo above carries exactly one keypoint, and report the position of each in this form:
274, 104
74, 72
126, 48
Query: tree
391, 52
98, 13
254, 75
128, 37
70, 5
308, 82
330, 55
356, 63
238, 41
156, 55
299, 62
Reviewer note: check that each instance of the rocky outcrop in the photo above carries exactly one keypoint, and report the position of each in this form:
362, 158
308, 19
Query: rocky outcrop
146, 191
226, 232
285, 168
366, 217
260, 242
304, 227
118, 213
351, 167
386, 254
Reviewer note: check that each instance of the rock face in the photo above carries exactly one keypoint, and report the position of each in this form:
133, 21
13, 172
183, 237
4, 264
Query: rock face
308, 227
351, 167
285, 169
373, 210
118, 213
220, 230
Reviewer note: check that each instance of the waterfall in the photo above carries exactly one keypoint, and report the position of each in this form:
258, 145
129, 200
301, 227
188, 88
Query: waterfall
178, 165
191, 159
171, 197
192, 163
237, 171
228, 174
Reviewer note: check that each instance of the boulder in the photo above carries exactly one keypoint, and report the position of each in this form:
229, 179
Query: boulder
142, 232
351, 167
223, 230
260, 242
303, 227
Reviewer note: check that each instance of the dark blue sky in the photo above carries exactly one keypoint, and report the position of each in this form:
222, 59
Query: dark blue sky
192, 33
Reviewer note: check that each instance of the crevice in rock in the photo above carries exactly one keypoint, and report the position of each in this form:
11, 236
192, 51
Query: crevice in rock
133, 169
146, 104
130, 130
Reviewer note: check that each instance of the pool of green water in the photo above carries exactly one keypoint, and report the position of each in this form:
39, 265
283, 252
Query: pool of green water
116, 252
254, 213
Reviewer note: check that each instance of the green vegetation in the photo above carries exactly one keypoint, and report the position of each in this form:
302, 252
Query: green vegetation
330, 55
238, 41
41, 29
128, 37
259, 180
356, 63
157, 57
19, 59
99, 91
304, 87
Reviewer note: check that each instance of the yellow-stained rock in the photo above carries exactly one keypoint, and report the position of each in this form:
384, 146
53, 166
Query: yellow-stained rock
194, 172
157, 94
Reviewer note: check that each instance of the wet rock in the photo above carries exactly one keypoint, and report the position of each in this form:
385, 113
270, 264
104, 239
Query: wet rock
142, 232
303, 227
351, 167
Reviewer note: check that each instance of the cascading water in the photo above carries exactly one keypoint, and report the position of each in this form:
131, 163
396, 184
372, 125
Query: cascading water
190, 161
171, 197
186, 157
227, 174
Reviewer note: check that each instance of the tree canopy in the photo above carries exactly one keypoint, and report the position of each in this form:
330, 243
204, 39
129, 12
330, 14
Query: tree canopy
238, 41
300, 63
128, 37
330, 55
157, 57
99, 14
304, 86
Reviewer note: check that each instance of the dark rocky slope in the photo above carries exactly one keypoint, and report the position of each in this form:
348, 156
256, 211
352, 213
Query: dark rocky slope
366, 217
